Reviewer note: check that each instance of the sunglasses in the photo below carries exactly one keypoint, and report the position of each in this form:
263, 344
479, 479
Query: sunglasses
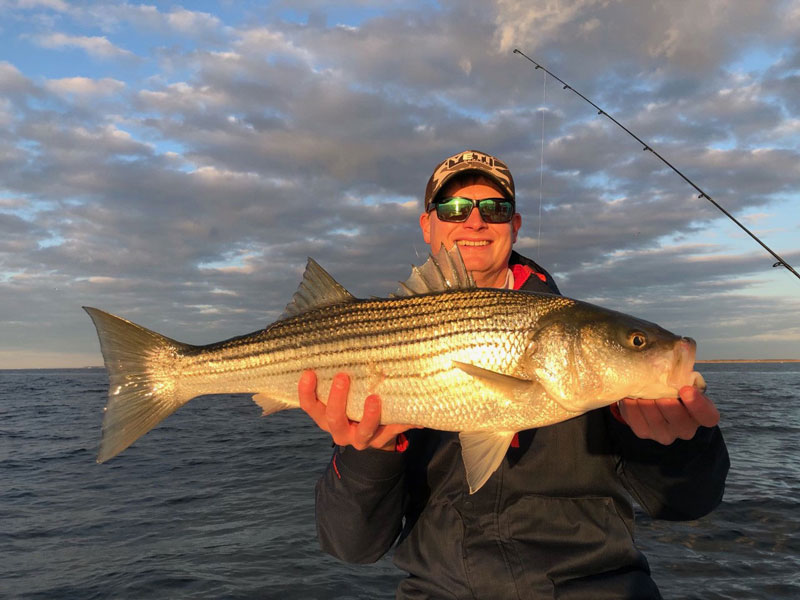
455, 209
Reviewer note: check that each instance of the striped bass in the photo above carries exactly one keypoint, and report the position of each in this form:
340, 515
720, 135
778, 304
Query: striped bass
440, 352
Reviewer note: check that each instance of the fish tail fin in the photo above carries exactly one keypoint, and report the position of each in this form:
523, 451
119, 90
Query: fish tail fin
143, 383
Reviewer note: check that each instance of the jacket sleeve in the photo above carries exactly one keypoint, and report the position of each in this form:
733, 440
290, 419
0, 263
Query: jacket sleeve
360, 502
682, 481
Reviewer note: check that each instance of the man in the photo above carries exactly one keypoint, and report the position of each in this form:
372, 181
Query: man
556, 518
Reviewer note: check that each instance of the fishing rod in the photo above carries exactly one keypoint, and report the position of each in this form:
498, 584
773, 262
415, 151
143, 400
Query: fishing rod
646, 147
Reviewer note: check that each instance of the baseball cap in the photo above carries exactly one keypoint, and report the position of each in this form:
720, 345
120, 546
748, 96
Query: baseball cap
469, 161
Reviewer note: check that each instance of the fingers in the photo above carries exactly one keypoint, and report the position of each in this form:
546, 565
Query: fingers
649, 422
668, 419
365, 430
336, 411
646, 420
332, 416
699, 406
307, 391
369, 433
386, 436
671, 420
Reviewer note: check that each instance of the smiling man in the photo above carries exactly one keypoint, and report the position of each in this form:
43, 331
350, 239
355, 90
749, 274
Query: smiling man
556, 518
484, 236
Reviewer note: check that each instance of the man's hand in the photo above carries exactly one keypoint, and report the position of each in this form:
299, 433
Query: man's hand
332, 417
668, 419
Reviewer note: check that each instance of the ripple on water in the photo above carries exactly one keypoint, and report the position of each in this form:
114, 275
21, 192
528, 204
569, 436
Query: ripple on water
218, 502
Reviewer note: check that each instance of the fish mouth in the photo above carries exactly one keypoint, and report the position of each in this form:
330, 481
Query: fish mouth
683, 372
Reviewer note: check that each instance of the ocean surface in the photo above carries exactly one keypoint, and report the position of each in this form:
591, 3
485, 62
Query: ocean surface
218, 503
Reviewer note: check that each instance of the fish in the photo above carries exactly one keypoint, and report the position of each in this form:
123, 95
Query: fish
440, 352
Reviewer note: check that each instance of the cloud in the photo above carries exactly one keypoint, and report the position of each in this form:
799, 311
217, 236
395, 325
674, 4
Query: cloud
150, 19
681, 34
183, 98
186, 191
17, 236
515, 22
95, 46
13, 83
191, 22
85, 86
267, 41
57, 5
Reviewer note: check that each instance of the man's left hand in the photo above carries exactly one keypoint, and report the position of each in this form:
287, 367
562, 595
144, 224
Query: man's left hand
668, 419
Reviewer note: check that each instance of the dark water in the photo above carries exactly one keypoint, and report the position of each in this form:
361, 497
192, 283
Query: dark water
218, 503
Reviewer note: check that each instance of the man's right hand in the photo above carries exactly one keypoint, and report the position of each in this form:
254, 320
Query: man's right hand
332, 416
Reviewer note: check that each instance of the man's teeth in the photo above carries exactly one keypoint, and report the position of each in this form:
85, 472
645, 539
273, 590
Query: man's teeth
470, 243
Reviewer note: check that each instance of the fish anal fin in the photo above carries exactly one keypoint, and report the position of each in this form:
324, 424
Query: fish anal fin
270, 405
482, 453
317, 289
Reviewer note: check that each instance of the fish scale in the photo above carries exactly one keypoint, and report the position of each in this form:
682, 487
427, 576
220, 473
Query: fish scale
441, 354
482, 327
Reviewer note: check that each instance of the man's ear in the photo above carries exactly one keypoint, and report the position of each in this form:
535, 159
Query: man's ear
425, 225
516, 223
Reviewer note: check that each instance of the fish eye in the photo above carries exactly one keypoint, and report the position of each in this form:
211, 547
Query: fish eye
637, 339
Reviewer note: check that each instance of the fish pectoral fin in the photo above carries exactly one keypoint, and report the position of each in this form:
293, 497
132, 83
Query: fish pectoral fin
507, 384
482, 452
270, 405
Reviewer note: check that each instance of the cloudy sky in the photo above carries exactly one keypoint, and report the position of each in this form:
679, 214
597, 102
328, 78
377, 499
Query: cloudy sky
176, 163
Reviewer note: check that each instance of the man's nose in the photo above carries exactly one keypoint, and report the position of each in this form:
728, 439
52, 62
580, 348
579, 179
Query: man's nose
475, 220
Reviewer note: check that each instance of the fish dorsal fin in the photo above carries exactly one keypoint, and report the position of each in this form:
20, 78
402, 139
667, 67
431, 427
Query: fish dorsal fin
482, 452
317, 289
443, 271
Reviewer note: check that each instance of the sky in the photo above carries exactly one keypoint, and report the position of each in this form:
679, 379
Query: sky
176, 163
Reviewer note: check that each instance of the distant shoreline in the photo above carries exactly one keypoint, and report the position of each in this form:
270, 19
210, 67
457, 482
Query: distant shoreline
749, 360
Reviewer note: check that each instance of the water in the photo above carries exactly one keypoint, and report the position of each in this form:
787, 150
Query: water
218, 503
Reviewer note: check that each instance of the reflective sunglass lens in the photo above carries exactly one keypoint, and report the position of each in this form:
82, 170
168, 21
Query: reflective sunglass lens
496, 211
457, 210
454, 209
